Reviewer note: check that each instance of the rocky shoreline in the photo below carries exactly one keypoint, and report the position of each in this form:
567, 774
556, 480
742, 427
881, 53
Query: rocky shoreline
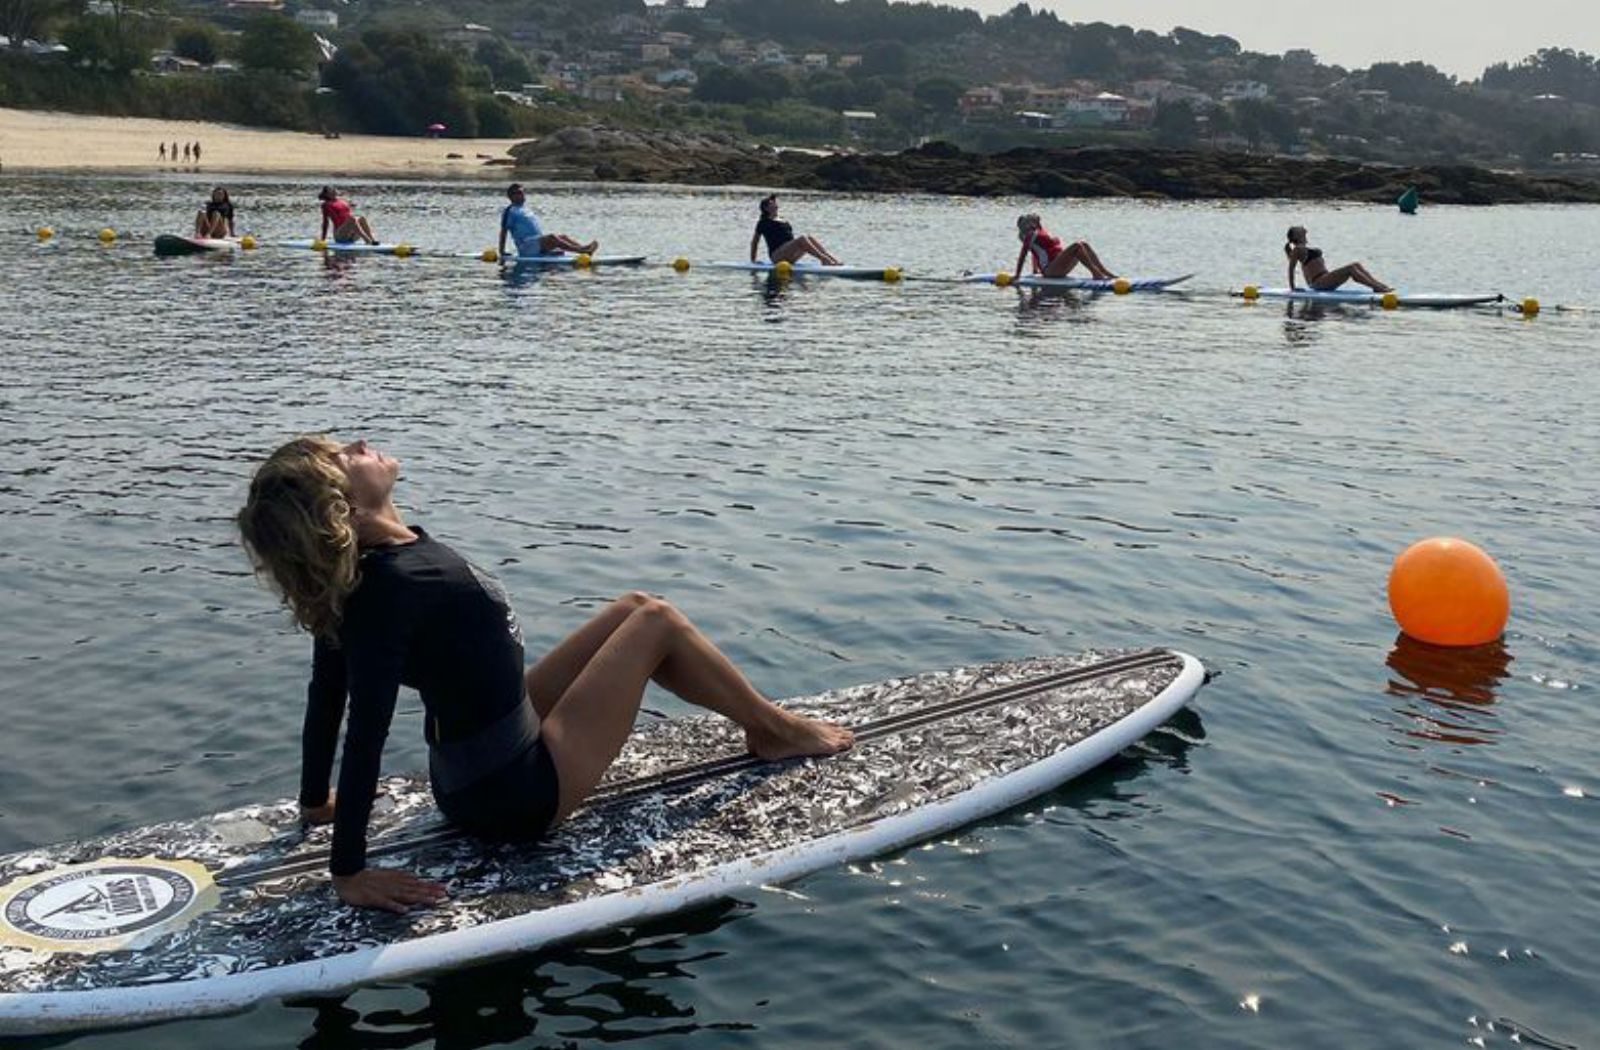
620, 155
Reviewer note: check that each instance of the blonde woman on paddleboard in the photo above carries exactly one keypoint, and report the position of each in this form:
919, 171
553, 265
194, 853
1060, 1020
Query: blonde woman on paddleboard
782, 244
340, 217
511, 750
1315, 268
1049, 257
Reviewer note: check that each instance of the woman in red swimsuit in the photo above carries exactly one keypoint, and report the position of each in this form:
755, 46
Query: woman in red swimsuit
347, 226
1050, 258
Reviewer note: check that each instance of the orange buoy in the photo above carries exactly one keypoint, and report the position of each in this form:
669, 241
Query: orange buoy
1446, 591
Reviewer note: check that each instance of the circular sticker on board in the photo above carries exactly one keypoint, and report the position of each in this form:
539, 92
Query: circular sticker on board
110, 905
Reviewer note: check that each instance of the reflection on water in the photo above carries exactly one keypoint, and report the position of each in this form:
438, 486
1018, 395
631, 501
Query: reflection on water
614, 987
1455, 687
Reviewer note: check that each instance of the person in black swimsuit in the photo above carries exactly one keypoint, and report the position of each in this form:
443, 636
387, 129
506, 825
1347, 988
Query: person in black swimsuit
511, 752
782, 244
216, 218
1318, 276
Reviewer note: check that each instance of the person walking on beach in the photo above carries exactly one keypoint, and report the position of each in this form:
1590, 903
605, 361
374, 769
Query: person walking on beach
1315, 268
782, 244
1047, 255
197, 154
215, 220
174, 153
161, 152
186, 153
512, 751
340, 217
522, 226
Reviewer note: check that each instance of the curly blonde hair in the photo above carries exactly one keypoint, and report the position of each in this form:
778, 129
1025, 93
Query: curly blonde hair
297, 528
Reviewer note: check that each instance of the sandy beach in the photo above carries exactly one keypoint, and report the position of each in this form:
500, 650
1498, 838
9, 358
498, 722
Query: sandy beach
45, 141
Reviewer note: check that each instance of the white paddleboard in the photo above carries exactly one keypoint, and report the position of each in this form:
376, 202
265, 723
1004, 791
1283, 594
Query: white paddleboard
808, 269
355, 248
209, 916
1087, 284
571, 259
1370, 298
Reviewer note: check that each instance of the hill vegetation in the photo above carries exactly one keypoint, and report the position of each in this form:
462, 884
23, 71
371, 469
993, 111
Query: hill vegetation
798, 72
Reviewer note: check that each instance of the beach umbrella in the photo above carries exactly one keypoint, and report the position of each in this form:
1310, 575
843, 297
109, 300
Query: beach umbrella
436, 128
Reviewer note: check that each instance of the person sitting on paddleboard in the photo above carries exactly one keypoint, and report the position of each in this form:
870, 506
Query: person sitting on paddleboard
782, 244
340, 217
1315, 269
216, 219
522, 226
1047, 255
512, 751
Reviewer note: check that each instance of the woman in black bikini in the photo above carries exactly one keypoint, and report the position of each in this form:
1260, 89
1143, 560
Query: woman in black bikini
1318, 277
510, 751
782, 244
216, 219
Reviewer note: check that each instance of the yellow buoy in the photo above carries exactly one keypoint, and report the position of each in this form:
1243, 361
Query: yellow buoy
1390, 300
319, 246
490, 255
404, 251
1003, 279
1122, 286
1530, 307
45, 233
108, 236
784, 270
1251, 293
583, 261
892, 274
248, 243
681, 264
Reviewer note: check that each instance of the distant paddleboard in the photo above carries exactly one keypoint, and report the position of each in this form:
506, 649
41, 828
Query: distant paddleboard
174, 244
809, 269
209, 916
1086, 284
571, 259
1370, 298
357, 247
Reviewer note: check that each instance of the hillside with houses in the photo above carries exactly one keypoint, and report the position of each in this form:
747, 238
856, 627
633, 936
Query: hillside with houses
860, 74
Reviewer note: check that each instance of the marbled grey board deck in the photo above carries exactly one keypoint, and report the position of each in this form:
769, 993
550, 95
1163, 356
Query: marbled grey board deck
246, 892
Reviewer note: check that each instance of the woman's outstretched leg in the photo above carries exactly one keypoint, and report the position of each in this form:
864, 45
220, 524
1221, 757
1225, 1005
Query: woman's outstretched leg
815, 247
1364, 275
1092, 261
594, 717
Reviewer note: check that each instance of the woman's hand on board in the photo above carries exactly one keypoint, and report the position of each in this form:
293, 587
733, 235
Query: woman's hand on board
388, 888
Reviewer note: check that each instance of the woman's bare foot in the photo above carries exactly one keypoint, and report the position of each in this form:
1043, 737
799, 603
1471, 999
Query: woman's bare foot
793, 736
591, 247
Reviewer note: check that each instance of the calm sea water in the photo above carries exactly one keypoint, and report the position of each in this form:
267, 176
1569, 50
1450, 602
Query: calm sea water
1349, 843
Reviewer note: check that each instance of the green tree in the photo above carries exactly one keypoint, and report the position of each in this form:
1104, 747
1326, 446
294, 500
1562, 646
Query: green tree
30, 19
1175, 124
198, 41
886, 58
97, 41
397, 83
279, 44
508, 68
940, 95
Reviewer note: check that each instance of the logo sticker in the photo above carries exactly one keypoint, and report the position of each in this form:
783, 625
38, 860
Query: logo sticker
110, 905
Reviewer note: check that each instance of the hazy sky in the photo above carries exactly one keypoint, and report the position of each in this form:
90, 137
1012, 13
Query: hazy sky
1458, 36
